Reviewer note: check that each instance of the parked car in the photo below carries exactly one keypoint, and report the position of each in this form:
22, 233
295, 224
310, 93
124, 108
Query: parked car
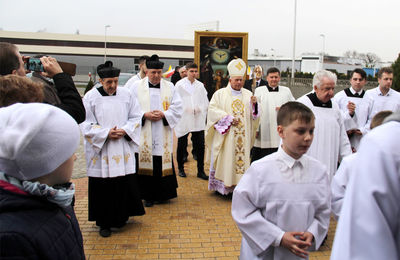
123, 78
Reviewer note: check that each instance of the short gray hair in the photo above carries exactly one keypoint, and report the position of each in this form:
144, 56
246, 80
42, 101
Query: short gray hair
323, 74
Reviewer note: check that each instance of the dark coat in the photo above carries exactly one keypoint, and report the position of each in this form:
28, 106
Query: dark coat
247, 83
175, 77
34, 228
63, 94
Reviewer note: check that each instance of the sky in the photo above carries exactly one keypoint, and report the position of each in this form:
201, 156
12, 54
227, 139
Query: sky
361, 25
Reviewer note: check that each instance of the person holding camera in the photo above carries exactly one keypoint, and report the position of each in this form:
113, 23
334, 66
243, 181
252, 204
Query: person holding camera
62, 93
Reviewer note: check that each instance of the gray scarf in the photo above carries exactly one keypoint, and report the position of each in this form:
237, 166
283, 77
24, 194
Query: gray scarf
61, 195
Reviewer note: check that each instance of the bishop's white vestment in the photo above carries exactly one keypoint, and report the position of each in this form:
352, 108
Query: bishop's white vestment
229, 145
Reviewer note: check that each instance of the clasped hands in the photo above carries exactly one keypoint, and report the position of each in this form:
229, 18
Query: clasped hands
297, 242
115, 133
154, 115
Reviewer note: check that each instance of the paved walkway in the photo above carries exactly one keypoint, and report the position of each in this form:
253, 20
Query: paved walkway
195, 225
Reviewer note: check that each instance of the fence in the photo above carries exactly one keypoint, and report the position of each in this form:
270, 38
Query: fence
301, 86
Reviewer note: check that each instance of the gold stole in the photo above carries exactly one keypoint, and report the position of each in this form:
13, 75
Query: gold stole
145, 149
239, 134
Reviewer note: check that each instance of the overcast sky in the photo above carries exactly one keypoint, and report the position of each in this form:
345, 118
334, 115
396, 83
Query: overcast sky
361, 25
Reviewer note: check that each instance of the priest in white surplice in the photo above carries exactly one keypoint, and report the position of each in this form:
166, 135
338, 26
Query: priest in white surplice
232, 121
195, 106
356, 107
269, 98
330, 139
111, 131
162, 109
369, 223
281, 205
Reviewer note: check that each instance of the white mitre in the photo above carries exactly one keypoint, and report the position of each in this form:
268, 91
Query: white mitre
237, 67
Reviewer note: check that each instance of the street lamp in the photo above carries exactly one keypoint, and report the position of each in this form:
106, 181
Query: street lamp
323, 50
294, 37
273, 55
105, 41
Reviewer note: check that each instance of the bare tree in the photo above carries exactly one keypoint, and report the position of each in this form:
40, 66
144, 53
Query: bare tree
370, 59
353, 54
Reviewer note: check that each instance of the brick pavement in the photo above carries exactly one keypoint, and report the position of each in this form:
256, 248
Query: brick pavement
196, 225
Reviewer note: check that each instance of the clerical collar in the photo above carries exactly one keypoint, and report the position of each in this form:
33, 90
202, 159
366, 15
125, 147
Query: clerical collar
317, 103
104, 93
276, 89
235, 92
350, 92
154, 86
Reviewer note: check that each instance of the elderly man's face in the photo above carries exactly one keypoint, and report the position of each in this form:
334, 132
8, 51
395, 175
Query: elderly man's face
258, 73
236, 82
385, 81
326, 91
357, 82
154, 75
109, 85
183, 72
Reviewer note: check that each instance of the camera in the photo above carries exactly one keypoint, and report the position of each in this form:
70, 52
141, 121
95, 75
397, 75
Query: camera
34, 64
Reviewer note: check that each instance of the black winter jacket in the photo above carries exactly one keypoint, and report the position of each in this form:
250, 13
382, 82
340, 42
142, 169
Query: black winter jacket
34, 228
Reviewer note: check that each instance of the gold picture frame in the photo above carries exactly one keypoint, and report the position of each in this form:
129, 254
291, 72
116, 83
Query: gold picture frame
212, 53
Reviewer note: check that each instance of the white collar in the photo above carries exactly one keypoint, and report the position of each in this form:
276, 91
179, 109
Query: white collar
289, 160
378, 89
235, 92
353, 91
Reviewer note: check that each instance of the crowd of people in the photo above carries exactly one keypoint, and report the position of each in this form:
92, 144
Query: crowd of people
276, 156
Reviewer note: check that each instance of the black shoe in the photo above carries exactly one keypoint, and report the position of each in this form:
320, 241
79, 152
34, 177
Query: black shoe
161, 201
185, 158
182, 173
148, 203
105, 232
202, 175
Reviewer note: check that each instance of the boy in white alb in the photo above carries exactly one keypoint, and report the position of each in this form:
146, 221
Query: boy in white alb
282, 203
195, 106
342, 176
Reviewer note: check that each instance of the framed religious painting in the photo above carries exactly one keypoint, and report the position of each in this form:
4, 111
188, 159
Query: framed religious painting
213, 51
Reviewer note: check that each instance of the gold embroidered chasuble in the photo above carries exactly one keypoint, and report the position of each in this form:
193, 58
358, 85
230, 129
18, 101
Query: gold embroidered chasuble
230, 152
146, 138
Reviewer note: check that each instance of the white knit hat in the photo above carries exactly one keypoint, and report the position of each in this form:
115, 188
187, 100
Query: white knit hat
237, 67
35, 139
